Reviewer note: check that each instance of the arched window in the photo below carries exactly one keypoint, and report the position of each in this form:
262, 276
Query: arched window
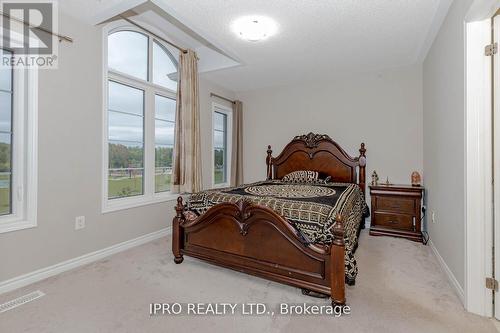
128, 53
141, 85
164, 67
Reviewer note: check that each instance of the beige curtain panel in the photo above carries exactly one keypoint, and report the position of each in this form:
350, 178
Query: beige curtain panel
186, 166
237, 145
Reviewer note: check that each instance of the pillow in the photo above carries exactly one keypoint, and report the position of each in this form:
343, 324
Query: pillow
302, 176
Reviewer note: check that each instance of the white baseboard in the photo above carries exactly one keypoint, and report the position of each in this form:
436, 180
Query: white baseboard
38, 275
453, 281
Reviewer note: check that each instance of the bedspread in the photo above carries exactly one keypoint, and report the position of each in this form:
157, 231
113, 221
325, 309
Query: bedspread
310, 208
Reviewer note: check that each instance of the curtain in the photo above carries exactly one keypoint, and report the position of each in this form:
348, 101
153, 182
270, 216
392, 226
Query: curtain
186, 165
237, 145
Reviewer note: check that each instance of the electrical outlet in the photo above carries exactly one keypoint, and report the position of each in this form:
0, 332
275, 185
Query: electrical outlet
433, 217
79, 222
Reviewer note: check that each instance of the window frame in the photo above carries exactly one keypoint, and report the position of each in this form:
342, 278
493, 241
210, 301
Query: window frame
220, 108
24, 150
150, 89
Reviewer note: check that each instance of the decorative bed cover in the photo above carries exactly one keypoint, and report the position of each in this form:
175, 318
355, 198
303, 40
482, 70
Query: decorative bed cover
311, 208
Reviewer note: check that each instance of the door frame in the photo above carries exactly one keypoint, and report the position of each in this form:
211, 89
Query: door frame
478, 158
495, 30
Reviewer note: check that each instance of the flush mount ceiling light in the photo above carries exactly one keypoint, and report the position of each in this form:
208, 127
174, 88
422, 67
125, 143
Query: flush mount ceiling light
254, 28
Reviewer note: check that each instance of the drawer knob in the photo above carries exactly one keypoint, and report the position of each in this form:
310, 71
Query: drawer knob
392, 222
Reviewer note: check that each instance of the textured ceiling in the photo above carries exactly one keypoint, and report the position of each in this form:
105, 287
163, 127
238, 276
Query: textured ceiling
316, 39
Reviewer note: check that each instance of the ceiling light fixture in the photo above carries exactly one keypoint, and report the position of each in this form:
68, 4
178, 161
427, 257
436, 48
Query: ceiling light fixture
254, 28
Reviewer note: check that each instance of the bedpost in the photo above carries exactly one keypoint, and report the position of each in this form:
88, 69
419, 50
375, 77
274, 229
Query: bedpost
362, 168
178, 232
337, 269
269, 159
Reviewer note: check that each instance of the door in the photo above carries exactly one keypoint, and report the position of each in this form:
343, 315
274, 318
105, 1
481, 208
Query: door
496, 161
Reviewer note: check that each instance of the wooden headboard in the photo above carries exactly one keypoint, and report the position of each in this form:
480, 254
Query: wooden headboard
318, 152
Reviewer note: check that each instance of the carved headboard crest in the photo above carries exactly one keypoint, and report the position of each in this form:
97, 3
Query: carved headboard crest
312, 140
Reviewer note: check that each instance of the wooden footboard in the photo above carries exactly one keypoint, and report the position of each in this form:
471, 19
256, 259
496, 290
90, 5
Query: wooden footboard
255, 240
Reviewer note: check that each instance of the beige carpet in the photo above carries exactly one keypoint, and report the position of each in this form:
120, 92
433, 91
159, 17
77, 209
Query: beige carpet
400, 288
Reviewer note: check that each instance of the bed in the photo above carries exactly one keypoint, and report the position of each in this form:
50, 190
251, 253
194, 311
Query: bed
291, 231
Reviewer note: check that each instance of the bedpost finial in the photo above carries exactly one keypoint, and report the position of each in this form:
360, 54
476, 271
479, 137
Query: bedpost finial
269, 154
179, 208
362, 150
269, 160
338, 231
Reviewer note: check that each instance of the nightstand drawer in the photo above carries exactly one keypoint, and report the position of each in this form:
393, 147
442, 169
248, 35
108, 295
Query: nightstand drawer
395, 204
395, 221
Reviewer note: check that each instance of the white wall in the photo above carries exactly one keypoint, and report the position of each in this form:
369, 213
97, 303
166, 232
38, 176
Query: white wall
384, 110
444, 139
70, 122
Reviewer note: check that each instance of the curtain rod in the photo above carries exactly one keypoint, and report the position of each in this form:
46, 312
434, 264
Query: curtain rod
152, 33
61, 37
221, 97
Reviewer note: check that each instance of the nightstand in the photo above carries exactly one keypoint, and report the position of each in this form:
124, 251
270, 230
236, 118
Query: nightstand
396, 211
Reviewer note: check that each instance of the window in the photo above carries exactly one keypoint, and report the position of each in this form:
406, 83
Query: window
222, 126
164, 67
141, 84
125, 140
128, 53
6, 111
17, 147
164, 141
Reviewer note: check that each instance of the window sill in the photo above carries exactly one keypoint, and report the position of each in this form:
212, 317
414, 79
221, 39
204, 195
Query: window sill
216, 186
134, 202
8, 226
